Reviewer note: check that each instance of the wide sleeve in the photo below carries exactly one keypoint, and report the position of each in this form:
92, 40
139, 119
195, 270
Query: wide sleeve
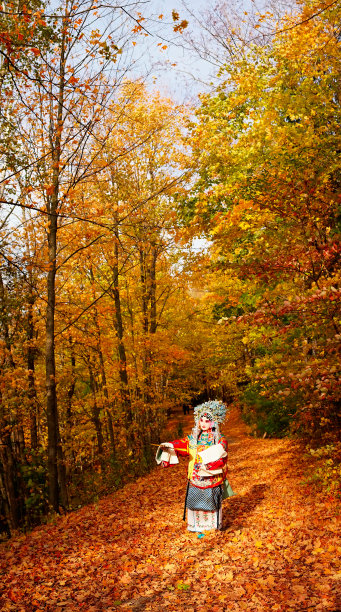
170, 457
219, 463
181, 447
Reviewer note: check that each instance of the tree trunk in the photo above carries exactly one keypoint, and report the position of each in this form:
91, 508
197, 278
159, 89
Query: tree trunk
5, 510
4, 322
51, 395
118, 324
106, 395
9, 476
153, 323
32, 392
132, 331
144, 292
96, 412
55, 459
69, 416
103, 375
71, 389
120, 330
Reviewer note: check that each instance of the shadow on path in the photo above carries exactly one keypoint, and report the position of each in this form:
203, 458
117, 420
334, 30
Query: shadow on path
237, 509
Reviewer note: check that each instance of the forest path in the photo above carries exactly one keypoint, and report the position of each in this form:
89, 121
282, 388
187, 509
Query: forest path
278, 550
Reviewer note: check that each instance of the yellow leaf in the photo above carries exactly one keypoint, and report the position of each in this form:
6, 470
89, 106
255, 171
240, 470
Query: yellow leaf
271, 580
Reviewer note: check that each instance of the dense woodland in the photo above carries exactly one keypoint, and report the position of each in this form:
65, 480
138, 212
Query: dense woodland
109, 317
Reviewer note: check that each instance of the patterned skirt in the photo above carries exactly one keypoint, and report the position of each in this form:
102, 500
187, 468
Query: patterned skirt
199, 520
204, 510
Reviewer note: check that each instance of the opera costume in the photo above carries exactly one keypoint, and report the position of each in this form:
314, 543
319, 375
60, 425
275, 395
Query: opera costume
207, 470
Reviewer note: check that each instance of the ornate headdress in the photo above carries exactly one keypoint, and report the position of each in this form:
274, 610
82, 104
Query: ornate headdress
213, 409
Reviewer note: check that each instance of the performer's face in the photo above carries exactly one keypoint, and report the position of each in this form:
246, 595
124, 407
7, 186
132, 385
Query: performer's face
205, 424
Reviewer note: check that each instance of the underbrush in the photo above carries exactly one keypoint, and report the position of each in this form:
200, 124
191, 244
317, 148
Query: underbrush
112, 473
270, 418
324, 468
87, 482
266, 417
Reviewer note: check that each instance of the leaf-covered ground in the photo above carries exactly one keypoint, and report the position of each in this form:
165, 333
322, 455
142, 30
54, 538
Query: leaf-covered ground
279, 549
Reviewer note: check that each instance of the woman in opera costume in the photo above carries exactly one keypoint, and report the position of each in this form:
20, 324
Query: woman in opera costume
207, 483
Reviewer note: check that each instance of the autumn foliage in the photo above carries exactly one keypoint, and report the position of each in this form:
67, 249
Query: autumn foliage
278, 550
110, 318
267, 144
